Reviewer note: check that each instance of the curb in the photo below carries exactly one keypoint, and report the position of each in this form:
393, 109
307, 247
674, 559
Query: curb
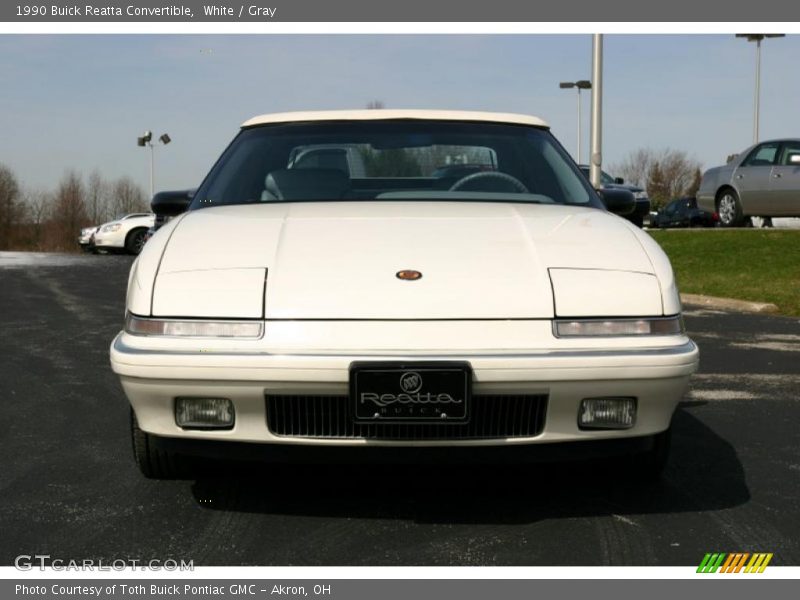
728, 304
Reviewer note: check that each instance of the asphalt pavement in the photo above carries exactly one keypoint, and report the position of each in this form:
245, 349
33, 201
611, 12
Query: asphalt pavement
70, 489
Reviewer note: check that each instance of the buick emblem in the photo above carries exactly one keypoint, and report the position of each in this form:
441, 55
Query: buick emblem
408, 275
410, 382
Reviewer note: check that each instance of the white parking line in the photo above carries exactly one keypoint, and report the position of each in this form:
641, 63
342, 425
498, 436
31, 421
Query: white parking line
742, 386
721, 395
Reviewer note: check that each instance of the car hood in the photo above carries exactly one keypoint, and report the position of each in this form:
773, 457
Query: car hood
339, 260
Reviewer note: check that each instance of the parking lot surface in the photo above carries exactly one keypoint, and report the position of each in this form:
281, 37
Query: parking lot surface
70, 488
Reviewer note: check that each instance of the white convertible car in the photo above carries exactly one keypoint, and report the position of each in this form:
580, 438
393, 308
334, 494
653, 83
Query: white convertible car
465, 290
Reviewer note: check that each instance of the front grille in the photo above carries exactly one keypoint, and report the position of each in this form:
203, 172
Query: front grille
491, 416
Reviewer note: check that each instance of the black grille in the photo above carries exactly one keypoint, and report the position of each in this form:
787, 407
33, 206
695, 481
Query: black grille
491, 416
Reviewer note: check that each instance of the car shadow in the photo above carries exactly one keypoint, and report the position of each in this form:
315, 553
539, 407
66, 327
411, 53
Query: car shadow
704, 473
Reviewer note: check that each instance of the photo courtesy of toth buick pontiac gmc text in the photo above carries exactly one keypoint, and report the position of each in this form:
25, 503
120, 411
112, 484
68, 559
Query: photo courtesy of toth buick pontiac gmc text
401, 282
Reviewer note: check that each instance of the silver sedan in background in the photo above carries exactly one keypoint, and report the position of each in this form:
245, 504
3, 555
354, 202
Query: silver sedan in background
762, 181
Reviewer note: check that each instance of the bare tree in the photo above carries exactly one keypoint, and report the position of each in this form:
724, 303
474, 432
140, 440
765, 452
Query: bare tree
38, 207
97, 198
127, 197
635, 169
69, 210
10, 206
697, 178
657, 186
666, 173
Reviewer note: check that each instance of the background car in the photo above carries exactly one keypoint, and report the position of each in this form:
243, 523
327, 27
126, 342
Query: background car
763, 181
683, 212
126, 234
86, 237
638, 216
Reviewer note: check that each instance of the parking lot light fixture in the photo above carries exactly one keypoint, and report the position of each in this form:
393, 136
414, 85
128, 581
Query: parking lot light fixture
596, 134
582, 84
757, 38
146, 140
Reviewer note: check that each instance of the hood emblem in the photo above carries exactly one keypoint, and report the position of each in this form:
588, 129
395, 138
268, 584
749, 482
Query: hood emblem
410, 382
408, 275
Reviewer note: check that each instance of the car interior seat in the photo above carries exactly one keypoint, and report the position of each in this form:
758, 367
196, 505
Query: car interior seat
305, 184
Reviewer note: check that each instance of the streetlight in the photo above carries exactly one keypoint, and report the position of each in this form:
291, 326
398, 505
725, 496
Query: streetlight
757, 38
146, 140
583, 84
596, 137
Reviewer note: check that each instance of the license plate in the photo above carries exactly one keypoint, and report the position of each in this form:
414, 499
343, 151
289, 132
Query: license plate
410, 392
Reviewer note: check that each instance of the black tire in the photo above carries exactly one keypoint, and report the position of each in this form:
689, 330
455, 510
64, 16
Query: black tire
153, 462
134, 241
729, 208
649, 465
637, 220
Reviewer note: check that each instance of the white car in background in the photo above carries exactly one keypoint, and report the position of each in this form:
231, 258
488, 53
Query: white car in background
124, 234
86, 238
411, 309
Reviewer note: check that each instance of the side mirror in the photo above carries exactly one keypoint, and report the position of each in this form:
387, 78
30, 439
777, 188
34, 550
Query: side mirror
619, 202
619, 180
169, 204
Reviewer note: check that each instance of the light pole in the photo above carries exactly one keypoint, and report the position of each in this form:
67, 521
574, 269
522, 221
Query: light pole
596, 139
582, 84
146, 140
757, 38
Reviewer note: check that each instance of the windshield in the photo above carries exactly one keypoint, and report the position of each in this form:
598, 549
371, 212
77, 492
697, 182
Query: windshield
394, 160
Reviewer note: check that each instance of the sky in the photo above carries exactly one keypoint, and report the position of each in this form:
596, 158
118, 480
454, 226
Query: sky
80, 101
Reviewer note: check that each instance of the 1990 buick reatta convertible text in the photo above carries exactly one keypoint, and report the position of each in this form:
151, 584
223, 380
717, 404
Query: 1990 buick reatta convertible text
413, 281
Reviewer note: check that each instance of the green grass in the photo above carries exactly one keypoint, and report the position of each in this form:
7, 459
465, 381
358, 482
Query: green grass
756, 265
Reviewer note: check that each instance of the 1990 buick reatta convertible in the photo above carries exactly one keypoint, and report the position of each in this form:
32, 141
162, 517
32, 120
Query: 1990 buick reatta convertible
413, 283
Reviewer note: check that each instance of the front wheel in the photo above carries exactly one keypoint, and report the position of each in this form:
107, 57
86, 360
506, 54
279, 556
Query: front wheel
135, 241
154, 462
648, 465
729, 209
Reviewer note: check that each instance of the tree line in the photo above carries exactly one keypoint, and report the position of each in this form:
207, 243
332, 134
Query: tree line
50, 220
665, 174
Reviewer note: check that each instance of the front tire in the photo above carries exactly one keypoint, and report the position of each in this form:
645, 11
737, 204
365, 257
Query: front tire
153, 462
135, 240
729, 208
648, 466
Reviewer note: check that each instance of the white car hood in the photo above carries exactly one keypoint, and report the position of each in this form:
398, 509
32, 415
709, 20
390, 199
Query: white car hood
338, 260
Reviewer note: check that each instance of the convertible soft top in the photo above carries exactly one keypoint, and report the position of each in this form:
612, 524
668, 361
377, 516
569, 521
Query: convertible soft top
383, 114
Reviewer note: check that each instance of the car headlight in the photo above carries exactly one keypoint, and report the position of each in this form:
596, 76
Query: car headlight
618, 327
193, 328
640, 195
111, 228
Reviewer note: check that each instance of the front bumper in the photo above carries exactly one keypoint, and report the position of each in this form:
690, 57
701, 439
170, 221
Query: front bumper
114, 239
154, 372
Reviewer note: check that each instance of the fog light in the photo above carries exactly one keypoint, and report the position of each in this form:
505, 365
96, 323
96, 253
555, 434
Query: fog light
607, 413
204, 413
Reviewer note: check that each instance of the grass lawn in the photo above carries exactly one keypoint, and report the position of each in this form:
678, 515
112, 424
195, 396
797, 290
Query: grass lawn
752, 264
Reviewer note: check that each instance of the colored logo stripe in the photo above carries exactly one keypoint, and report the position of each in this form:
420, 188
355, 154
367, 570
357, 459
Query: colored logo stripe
711, 563
734, 562
758, 563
